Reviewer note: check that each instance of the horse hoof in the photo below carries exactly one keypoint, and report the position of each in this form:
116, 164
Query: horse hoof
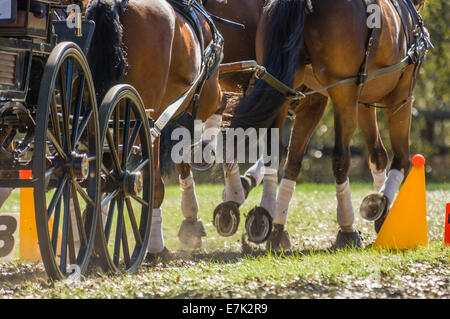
373, 206
248, 183
278, 240
191, 233
258, 225
348, 240
163, 256
226, 218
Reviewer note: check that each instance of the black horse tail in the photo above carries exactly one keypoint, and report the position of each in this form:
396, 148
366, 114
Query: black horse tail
283, 43
107, 55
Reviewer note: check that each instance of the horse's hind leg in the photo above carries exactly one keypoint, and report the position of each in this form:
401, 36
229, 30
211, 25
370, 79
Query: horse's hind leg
308, 115
345, 121
378, 205
378, 157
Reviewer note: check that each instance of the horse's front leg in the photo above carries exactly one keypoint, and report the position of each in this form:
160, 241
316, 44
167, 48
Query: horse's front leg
345, 122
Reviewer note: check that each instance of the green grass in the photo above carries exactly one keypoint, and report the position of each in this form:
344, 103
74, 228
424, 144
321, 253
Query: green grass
221, 270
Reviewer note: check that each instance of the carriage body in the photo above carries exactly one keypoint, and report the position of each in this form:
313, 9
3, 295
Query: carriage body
51, 125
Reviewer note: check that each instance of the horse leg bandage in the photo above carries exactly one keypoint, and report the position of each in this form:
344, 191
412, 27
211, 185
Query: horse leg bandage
285, 192
379, 178
392, 184
156, 242
189, 203
256, 171
345, 215
269, 196
233, 186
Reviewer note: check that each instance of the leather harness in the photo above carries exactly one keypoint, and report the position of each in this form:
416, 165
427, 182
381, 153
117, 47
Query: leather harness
417, 48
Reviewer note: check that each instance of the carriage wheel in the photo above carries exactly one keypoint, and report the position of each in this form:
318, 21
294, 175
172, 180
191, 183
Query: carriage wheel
66, 162
127, 181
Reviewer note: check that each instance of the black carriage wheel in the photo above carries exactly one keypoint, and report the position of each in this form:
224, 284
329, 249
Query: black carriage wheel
66, 163
127, 181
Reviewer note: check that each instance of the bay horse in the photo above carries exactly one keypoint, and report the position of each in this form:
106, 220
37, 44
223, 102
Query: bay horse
154, 48
334, 35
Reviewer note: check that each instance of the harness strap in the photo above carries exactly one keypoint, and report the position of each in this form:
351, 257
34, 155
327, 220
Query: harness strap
402, 16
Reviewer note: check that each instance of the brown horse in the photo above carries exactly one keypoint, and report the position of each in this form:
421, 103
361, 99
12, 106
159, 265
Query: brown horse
334, 35
239, 46
154, 48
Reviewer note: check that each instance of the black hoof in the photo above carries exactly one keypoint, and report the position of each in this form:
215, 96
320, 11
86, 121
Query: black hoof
191, 233
162, 256
226, 218
348, 240
258, 225
373, 206
248, 183
279, 239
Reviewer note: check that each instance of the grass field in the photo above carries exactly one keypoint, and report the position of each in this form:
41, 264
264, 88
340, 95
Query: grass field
221, 270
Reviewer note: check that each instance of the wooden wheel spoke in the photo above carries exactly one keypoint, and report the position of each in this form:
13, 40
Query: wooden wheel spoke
108, 173
65, 230
109, 197
83, 125
56, 197
125, 248
58, 147
141, 165
66, 86
77, 109
109, 219
119, 229
55, 118
139, 200
113, 151
125, 133
136, 128
79, 217
55, 228
83, 193
134, 225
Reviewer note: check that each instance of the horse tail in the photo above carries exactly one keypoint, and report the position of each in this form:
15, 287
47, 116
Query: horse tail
283, 43
107, 53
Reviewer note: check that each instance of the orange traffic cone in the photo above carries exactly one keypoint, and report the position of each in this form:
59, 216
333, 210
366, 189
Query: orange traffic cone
406, 224
29, 246
447, 226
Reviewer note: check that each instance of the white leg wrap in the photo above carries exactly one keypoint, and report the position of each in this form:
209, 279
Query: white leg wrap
393, 182
233, 186
211, 129
379, 178
189, 203
285, 192
4, 194
269, 195
257, 171
345, 215
156, 242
